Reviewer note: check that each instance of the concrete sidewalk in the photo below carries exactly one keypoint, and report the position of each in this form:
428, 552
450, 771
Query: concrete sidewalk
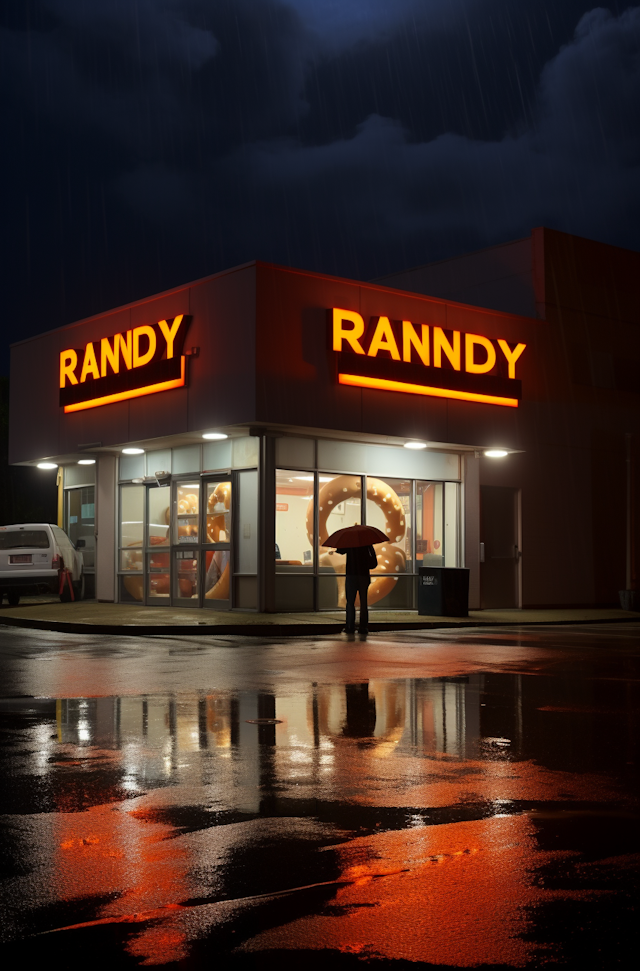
92, 617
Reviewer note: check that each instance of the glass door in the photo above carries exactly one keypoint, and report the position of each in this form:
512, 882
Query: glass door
158, 545
216, 542
185, 542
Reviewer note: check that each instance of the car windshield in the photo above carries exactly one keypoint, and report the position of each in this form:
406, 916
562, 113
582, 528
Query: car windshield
19, 539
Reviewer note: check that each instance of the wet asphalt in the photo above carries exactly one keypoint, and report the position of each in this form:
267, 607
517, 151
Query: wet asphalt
453, 798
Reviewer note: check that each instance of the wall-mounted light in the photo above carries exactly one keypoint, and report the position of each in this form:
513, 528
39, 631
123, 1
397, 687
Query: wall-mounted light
47, 465
496, 453
215, 436
415, 445
86, 461
133, 451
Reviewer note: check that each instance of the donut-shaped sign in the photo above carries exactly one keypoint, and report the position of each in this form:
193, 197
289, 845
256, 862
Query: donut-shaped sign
392, 561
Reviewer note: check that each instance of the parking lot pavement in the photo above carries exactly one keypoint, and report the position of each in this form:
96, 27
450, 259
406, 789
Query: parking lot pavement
450, 798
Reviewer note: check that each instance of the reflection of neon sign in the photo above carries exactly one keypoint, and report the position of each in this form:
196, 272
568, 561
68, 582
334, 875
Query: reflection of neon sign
140, 361
420, 359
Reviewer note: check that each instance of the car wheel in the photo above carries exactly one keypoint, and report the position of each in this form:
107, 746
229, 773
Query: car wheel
13, 597
78, 588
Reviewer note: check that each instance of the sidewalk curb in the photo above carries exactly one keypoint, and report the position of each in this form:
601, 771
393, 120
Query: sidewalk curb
280, 630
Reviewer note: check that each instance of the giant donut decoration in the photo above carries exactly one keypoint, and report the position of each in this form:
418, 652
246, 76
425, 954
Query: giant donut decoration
391, 558
218, 507
220, 591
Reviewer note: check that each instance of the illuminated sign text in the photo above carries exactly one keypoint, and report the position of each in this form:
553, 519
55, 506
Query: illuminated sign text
399, 355
140, 361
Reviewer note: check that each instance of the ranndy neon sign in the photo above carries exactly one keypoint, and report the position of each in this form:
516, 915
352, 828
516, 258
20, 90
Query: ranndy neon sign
140, 361
430, 360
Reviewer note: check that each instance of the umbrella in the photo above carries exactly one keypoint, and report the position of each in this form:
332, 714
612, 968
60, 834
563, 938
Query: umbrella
357, 535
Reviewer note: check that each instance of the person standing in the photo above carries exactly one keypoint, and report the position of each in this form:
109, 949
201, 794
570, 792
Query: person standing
360, 560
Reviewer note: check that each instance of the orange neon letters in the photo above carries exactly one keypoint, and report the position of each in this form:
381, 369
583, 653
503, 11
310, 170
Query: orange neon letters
452, 351
383, 340
410, 339
68, 364
89, 365
511, 355
470, 342
352, 334
169, 333
131, 349
139, 360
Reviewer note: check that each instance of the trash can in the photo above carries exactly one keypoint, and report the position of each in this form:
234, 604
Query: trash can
443, 591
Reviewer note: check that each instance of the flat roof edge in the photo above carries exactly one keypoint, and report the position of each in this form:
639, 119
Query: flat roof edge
137, 303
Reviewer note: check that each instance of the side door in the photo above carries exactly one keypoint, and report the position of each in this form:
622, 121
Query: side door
217, 547
499, 534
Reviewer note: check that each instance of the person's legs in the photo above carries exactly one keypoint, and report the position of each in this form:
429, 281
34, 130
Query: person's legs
350, 590
363, 590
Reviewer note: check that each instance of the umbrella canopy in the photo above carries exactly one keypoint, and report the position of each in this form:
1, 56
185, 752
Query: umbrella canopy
352, 536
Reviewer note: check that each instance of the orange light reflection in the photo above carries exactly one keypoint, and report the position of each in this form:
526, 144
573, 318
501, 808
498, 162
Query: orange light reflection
125, 395
382, 384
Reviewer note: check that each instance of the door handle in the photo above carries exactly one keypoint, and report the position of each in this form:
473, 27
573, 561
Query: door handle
482, 552
517, 553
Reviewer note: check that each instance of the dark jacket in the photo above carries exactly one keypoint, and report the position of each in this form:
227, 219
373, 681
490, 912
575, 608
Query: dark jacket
360, 559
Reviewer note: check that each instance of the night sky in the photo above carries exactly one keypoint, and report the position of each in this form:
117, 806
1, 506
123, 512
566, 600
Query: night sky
151, 142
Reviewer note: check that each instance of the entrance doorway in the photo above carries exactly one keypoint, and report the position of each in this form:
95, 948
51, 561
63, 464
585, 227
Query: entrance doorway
176, 541
202, 526
500, 541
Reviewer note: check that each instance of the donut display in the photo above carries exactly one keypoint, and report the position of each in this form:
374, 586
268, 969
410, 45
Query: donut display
221, 589
133, 560
218, 510
391, 558
188, 505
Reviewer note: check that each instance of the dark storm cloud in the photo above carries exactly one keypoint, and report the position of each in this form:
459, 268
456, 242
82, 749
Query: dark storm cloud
575, 166
153, 141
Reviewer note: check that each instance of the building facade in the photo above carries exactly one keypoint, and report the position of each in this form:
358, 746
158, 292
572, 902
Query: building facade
235, 422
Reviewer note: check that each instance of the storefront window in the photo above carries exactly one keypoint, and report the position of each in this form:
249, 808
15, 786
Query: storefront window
339, 505
188, 509
131, 535
218, 512
80, 522
294, 521
389, 509
159, 516
429, 523
131, 515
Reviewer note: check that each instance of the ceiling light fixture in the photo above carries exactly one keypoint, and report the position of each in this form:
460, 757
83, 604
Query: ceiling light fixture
47, 465
415, 445
215, 436
86, 462
133, 451
496, 453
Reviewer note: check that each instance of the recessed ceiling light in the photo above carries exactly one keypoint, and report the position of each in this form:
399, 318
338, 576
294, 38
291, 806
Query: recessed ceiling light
133, 451
47, 465
415, 445
86, 462
215, 436
496, 453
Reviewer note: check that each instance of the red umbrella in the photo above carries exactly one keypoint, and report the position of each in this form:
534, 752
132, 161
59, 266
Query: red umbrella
357, 535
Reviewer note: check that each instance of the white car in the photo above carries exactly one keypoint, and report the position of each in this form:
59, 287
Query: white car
32, 556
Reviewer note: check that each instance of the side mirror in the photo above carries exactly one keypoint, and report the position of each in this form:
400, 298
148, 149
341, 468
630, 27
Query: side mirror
80, 544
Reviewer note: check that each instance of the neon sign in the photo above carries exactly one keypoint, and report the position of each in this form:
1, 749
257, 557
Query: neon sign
140, 361
427, 360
